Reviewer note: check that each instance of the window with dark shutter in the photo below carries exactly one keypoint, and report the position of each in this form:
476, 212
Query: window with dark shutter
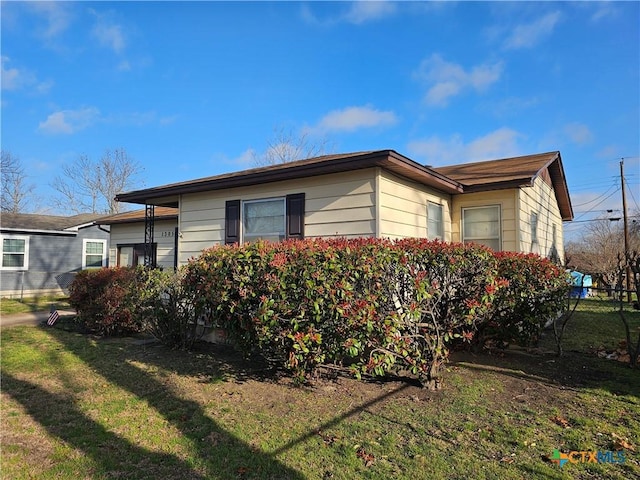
295, 216
232, 222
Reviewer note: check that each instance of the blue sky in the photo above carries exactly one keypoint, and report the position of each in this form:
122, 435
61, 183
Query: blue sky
196, 89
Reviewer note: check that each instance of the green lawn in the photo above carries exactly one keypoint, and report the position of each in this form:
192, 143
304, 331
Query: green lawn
75, 406
31, 304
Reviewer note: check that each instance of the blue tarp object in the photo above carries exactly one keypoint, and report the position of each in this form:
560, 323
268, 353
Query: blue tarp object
581, 284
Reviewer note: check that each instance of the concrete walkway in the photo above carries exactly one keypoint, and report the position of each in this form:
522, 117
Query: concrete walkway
31, 318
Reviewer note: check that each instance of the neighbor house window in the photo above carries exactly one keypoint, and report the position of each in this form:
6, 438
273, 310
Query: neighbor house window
263, 220
435, 223
482, 225
15, 252
94, 253
272, 219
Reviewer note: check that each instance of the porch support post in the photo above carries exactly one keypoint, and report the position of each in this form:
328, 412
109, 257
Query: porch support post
149, 219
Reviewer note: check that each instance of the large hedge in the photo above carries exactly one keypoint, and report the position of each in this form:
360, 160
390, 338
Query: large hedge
374, 305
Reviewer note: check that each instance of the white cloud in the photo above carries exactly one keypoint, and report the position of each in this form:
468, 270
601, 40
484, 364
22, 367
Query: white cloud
168, 120
598, 11
69, 121
139, 119
350, 119
246, 158
530, 34
603, 10
510, 106
12, 78
578, 133
43, 87
448, 79
501, 143
17, 79
56, 14
358, 13
109, 35
608, 152
364, 11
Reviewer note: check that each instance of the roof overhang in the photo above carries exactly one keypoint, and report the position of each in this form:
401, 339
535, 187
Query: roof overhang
556, 171
135, 216
515, 172
120, 221
38, 231
168, 195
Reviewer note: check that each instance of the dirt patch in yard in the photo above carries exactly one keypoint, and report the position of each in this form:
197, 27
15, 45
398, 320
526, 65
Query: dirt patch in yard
515, 378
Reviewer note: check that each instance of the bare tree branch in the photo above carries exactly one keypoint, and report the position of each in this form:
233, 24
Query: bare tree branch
287, 146
597, 252
91, 186
16, 192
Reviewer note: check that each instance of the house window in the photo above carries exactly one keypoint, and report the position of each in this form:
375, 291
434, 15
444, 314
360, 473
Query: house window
263, 220
435, 225
482, 225
133, 255
534, 232
15, 252
94, 253
269, 219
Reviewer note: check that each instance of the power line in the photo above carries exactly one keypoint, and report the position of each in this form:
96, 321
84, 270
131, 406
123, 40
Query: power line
604, 210
597, 198
600, 220
591, 210
593, 185
631, 192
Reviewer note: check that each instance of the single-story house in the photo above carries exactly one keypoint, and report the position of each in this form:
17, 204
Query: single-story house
514, 204
42, 253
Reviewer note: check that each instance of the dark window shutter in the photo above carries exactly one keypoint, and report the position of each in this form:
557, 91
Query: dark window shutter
232, 222
295, 216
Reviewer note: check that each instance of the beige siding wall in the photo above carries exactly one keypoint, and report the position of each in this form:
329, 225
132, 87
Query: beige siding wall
541, 201
335, 205
133, 233
403, 207
507, 201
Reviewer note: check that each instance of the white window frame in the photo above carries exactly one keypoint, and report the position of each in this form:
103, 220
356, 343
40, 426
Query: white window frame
440, 235
282, 234
25, 265
105, 253
466, 239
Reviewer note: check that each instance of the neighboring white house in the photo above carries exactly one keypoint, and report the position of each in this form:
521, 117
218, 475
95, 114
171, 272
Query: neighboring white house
515, 204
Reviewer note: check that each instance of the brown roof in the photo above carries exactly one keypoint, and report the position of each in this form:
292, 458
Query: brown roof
160, 213
513, 172
456, 179
32, 221
167, 195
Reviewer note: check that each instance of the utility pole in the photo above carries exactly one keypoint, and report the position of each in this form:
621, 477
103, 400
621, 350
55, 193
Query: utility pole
626, 233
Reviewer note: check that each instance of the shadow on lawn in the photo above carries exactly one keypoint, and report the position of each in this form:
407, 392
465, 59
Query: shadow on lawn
573, 370
218, 453
214, 361
60, 417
